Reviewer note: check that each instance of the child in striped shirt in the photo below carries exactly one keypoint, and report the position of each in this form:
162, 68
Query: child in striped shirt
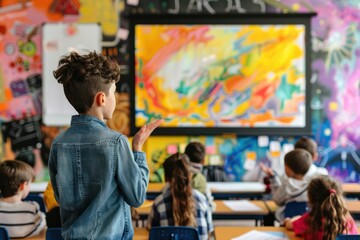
21, 219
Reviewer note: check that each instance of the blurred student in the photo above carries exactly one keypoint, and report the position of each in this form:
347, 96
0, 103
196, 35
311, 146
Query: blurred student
16, 177
328, 216
293, 187
196, 153
53, 219
95, 175
309, 145
179, 204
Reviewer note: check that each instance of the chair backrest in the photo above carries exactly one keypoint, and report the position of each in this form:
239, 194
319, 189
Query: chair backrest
295, 208
215, 173
348, 237
173, 233
4, 235
37, 198
53, 234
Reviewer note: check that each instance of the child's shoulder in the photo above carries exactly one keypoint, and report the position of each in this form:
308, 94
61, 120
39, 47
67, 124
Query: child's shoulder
19, 206
199, 176
198, 195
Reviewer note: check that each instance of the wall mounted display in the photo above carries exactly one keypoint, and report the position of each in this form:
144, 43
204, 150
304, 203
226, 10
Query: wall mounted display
234, 74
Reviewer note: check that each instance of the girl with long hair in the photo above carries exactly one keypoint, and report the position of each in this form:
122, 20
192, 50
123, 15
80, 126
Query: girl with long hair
179, 204
328, 216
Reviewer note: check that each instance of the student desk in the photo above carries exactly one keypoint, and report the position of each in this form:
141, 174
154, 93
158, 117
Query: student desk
226, 190
38, 187
227, 233
352, 205
351, 190
141, 234
153, 190
354, 208
220, 190
222, 212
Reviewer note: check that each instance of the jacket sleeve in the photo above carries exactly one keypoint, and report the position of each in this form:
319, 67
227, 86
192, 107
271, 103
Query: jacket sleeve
278, 189
131, 173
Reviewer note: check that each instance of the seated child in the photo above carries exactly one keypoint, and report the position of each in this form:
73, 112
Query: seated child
196, 154
179, 204
16, 177
53, 219
328, 216
311, 146
293, 187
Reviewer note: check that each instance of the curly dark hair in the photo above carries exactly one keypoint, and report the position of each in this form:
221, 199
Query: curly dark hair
83, 76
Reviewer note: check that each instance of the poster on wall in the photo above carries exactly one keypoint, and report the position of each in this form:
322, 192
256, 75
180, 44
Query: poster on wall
58, 39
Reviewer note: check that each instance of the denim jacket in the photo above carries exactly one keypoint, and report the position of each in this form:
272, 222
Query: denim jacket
96, 178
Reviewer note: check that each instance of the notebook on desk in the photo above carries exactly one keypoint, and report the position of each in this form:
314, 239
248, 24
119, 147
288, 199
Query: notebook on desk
262, 235
242, 205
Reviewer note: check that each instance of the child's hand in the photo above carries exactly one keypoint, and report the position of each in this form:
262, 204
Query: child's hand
268, 171
144, 132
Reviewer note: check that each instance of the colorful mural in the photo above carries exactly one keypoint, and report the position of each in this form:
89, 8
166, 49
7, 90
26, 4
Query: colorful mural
335, 93
20, 58
335, 82
20, 55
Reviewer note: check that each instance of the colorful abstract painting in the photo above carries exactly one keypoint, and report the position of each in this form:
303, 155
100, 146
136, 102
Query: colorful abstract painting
221, 75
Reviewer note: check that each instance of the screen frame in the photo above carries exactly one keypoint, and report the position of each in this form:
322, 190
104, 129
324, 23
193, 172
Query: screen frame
222, 19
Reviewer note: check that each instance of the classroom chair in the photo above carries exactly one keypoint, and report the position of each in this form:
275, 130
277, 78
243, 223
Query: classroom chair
174, 233
4, 235
37, 198
53, 234
348, 237
295, 208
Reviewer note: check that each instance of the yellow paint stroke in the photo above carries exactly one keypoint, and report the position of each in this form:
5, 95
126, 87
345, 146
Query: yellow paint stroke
105, 12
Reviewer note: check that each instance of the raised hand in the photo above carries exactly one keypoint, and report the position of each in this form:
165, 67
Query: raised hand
268, 171
144, 132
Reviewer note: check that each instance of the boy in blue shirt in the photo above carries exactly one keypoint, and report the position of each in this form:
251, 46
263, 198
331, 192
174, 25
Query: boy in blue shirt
95, 175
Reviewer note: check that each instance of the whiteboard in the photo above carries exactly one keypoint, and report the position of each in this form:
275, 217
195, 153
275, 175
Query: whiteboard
59, 39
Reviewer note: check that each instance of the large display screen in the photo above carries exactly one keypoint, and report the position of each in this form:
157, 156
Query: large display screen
221, 76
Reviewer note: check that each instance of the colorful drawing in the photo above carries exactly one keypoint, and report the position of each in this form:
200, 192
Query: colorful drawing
220, 75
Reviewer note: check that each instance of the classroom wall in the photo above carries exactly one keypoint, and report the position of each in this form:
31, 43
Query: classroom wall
335, 78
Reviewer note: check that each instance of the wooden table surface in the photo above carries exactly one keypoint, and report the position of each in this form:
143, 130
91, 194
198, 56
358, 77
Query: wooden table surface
221, 208
220, 190
351, 190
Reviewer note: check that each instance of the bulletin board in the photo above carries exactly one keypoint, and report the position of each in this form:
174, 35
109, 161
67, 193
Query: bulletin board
59, 39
